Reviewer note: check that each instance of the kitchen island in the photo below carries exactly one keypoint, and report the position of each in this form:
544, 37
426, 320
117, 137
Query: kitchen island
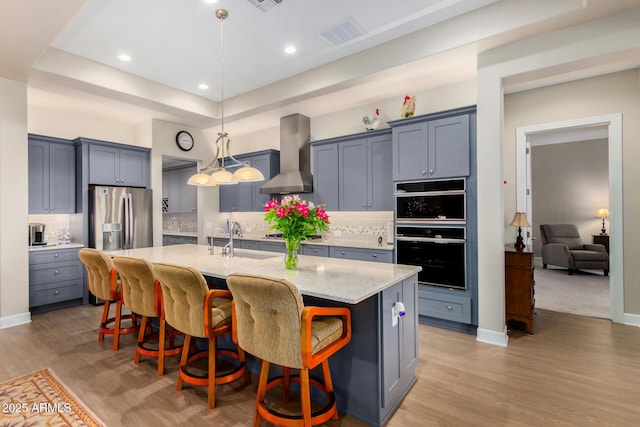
376, 370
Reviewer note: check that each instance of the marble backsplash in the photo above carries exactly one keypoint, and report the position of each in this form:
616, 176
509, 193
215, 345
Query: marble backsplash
187, 221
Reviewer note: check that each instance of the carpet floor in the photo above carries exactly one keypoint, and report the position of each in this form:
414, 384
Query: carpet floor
585, 293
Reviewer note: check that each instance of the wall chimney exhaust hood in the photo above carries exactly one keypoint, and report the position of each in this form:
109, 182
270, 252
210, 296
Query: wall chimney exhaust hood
295, 158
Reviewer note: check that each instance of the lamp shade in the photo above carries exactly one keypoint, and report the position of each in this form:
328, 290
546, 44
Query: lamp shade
520, 220
221, 177
248, 174
200, 179
603, 213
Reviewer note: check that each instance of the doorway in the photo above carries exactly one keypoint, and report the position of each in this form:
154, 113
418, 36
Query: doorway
613, 125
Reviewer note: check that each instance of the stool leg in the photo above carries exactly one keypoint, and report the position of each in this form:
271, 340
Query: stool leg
262, 391
116, 326
328, 383
105, 317
212, 372
161, 338
183, 359
305, 397
141, 332
286, 383
247, 374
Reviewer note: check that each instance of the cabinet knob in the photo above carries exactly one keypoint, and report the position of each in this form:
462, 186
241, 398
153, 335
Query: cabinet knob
56, 292
57, 272
430, 171
315, 250
121, 180
56, 255
424, 172
364, 205
449, 307
53, 209
117, 180
375, 255
46, 209
342, 252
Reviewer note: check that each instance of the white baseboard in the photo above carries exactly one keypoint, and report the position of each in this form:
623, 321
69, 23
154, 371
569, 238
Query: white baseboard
15, 320
492, 337
632, 319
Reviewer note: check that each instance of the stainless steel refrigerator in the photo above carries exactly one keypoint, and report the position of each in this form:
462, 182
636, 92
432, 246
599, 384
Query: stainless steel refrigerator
120, 218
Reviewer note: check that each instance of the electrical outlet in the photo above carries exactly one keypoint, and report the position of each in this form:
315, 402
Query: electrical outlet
248, 229
337, 233
209, 224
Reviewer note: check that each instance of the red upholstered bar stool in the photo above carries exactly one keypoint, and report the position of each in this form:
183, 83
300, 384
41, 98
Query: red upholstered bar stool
141, 293
103, 283
191, 308
271, 322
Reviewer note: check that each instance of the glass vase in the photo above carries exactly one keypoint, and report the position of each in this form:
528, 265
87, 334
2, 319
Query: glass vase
292, 245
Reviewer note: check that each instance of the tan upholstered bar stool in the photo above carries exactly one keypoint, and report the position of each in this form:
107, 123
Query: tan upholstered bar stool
271, 322
141, 293
103, 283
191, 308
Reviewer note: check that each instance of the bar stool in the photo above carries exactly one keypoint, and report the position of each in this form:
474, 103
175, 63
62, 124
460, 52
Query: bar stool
103, 283
271, 322
185, 294
141, 293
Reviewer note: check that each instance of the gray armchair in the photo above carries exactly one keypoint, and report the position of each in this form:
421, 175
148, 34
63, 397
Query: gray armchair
562, 246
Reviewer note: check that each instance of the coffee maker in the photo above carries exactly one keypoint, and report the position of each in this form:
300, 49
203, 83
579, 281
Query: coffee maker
36, 234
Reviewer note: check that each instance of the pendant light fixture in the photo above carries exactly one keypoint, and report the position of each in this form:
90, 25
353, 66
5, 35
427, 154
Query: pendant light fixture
213, 174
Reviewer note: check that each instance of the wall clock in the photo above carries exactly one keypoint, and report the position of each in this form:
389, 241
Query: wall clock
184, 140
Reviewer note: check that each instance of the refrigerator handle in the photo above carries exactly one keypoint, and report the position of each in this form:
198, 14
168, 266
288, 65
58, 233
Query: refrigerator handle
129, 222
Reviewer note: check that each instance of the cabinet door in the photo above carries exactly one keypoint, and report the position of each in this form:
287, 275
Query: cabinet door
103, 165
352, 175
449, 147
165, 185
325, 175
228, 198
188, 194
38, 177
174, 190
263, 164
380, 188
133, 168
62, 179
410, 152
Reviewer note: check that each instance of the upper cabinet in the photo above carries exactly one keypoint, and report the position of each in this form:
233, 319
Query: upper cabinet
353, 173
246, 196
51, 175
180, 197
112, 164
431, 146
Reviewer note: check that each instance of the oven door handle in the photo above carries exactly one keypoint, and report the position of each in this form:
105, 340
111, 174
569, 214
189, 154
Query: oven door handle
430, 193
429, 239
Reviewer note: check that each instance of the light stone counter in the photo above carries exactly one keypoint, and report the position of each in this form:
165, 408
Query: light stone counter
50, 247
365, 244
180, 233
346, 281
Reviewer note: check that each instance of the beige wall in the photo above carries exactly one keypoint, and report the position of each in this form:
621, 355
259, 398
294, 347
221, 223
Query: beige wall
14, 257
608, 94
570, 181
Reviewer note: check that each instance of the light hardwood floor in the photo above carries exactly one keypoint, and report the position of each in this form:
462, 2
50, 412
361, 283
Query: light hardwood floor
575, 371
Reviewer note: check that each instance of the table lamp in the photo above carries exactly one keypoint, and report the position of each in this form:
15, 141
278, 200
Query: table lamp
603, 213
519, 220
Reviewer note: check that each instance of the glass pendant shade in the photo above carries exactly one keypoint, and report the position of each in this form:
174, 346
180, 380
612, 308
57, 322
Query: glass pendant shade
201, 179
248, 174
221, 177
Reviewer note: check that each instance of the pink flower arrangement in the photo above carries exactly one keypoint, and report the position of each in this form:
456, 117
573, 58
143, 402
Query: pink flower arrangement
295, 218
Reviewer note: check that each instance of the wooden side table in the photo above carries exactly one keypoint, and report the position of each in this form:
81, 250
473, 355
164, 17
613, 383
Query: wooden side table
519, 287
601, 239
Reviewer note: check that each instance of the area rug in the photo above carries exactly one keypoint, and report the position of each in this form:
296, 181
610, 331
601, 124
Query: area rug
41, 399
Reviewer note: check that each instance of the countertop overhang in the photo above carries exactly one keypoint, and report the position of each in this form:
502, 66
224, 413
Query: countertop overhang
333, 279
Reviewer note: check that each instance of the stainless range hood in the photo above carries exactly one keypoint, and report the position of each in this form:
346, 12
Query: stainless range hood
295, 159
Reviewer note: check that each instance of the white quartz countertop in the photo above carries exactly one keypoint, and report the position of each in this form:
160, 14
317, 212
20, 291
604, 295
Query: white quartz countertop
50, 247
334, 279
366, 244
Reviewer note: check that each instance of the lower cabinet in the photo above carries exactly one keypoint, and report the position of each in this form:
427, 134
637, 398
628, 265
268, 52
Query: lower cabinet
168, 240
361, 254
443, 305
314, 250
273, 247
55, 279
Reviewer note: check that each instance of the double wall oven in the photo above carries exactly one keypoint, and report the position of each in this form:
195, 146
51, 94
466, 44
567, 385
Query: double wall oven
430, 230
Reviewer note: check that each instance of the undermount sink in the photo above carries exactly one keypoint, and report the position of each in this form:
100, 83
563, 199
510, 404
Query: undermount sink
255, 255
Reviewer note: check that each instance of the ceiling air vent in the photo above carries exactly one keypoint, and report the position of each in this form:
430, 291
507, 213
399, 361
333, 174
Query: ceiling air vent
344, 32
265, 5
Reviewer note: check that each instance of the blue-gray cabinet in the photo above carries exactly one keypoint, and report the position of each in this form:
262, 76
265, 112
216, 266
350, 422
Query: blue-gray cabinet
314, 250
122, 166
431, 146
51, 175
361, 254
353, 172
171, 239
180, 196
246, 196
55, 279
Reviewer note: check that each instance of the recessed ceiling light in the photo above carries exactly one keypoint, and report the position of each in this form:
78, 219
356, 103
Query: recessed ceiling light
203, 86
211, 1
124, 57
290, 49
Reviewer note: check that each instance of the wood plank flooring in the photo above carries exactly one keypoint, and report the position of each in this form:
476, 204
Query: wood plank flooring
575, 371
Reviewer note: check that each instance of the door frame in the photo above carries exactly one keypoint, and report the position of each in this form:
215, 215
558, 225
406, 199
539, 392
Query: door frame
616, 226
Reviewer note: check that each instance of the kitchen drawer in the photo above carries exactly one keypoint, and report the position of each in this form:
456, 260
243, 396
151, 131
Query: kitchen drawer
360, 254
53, 255
51, 273
272, 247
315, 250
456, 308
218, 240
249, 244
50, 295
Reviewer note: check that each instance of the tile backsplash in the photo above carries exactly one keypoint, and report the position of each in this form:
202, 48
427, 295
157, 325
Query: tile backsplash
55, 226
188, 221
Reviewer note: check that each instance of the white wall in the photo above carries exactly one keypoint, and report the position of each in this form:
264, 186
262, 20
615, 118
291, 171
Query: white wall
14, 256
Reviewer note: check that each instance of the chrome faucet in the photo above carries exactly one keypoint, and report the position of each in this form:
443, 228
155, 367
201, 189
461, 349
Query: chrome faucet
234, 228
174, 220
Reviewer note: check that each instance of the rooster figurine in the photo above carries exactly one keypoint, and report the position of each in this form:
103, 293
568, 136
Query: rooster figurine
408, 106
372, 124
